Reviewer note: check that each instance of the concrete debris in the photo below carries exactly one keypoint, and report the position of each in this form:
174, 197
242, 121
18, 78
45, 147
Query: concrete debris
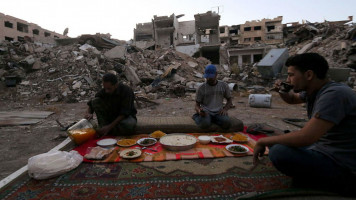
116, 52
192, 64
73, 72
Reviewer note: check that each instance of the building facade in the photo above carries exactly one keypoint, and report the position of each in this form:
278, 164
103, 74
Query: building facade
14, 29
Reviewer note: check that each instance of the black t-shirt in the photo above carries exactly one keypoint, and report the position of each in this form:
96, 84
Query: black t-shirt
121, 102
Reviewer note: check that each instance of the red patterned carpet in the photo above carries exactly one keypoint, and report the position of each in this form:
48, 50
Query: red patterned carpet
220, 178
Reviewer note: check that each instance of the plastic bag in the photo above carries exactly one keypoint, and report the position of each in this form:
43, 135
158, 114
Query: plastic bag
51, 164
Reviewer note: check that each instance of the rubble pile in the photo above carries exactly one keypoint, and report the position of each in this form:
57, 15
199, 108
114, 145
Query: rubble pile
73, 73
335, 42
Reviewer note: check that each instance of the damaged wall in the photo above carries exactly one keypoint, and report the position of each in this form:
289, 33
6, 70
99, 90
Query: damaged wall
207, 26
14, 29
143, 32
165, 29
186, 32
246, 56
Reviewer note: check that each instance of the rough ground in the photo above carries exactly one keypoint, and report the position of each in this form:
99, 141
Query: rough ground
18, 143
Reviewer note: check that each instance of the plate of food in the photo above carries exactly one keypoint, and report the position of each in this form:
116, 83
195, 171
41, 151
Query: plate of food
146, 141
237, 148
239, 138
106, 142
126, 142
157, 134
178, 142
130, 153
220, 139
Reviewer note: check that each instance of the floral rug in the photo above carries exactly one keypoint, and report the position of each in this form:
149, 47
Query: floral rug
218, 178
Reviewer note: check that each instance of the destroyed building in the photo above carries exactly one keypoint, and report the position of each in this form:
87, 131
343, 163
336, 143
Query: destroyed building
165, 31
187, 37
207, 34
268, 31
14, 29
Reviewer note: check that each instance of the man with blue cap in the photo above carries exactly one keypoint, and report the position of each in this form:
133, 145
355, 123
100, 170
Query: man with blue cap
209, 105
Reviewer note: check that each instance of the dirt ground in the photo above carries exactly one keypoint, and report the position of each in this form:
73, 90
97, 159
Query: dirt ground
18, 143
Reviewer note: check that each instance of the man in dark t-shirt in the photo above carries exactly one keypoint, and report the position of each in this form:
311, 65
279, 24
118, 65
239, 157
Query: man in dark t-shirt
114, 108
323, 152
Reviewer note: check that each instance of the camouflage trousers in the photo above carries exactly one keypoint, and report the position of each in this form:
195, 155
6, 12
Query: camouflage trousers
102, 110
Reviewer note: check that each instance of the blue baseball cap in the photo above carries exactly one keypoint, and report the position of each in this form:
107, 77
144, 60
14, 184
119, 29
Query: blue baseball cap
210, 71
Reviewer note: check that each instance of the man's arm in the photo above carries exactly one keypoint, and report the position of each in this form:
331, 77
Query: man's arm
308, 135
89, 114
291, 97
226, 107
199, 109
106, 129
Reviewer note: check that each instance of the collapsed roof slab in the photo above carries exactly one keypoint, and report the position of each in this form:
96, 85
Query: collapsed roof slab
207, 20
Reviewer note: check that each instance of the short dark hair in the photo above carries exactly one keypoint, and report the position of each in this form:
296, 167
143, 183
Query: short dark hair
309, 61
108, 77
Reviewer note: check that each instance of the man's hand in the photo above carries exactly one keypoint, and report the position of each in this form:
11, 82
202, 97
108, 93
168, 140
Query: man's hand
202, 112
277, 85
89, 116
103, 131
258, 151
223, 111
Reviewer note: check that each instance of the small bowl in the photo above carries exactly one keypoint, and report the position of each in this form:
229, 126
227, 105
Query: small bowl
204, 139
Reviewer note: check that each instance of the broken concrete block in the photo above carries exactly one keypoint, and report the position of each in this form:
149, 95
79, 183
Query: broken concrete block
148, 88
339, 74
25, 83
152, 96
29, 60
77, 85
79, 58
112, 72
86, 47
178, 79
226, 67
226, 79
192, 64
131, 75
90, 81
306, 48
198, 75
37, 65
40, 49
51, 70
116, 52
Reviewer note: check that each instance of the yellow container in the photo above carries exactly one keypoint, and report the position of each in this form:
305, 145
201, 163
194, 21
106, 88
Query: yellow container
81, 131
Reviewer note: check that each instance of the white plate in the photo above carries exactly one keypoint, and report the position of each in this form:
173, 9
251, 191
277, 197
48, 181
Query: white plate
236, 152
146, 145
137, 152
106, 142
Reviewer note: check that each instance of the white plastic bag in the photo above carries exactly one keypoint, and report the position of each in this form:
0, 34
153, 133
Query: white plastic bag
51, 164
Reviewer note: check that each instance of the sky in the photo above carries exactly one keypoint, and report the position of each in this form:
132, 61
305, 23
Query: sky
119, 18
